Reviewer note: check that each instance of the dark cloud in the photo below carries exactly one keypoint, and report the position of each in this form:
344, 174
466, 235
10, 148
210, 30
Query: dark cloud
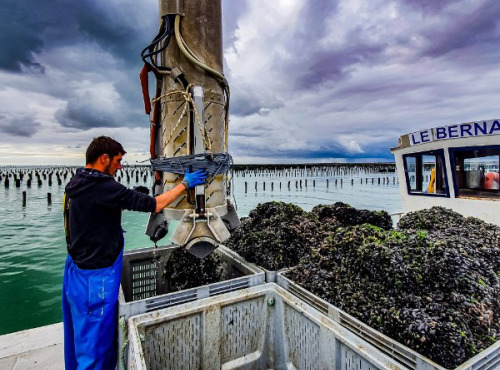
82, 115
256, 130
325, 65
19, 35
332, 149
29, 27
428, 6
245, 101
478, 32
119, 27
324, 152
313, 20
24, 126
379, 89
311, 62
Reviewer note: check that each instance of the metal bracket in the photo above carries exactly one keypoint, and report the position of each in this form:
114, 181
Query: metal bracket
168, 7
176, 72
200, 236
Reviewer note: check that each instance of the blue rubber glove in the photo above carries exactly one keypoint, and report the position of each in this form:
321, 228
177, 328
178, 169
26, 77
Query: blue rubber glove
198, 177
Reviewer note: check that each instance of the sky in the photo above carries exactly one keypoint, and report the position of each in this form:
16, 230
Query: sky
311, 81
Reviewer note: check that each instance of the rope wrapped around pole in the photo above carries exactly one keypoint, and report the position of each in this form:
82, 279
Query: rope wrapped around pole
214, 164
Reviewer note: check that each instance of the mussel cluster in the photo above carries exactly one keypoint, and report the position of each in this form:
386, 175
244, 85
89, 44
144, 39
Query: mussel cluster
184, 271
342, 214
432, 284
274, 235
277, 234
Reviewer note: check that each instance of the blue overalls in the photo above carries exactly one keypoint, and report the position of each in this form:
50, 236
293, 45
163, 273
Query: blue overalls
90, 304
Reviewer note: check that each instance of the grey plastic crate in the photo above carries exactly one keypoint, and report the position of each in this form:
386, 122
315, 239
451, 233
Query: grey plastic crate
262, 327
488, 359
142, 291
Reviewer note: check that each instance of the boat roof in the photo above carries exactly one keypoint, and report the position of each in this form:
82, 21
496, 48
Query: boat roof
458, 131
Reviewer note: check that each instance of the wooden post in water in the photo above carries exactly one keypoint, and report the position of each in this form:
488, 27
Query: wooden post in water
24, 198
49, 199
246, 187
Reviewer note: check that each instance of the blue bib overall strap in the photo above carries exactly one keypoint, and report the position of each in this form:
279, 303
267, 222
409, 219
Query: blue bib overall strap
89, 301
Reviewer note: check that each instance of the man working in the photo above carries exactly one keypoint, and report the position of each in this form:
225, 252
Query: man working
92, 209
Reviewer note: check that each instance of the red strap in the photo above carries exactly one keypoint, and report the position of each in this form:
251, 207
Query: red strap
147, 107
154, 120
145, 88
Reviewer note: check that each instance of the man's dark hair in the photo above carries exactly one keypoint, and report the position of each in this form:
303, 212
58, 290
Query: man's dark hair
103, 145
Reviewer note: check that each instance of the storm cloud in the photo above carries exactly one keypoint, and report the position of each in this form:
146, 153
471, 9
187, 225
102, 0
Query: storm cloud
24, 126
310, 80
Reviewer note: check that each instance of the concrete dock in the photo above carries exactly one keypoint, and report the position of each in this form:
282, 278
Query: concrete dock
39, 348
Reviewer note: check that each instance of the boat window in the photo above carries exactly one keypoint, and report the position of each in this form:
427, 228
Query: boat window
425, 173
477, 171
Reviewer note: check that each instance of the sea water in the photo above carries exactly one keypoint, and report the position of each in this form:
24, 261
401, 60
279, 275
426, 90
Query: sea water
32, 242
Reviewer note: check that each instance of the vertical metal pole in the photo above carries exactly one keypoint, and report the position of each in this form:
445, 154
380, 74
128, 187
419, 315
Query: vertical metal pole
201, 30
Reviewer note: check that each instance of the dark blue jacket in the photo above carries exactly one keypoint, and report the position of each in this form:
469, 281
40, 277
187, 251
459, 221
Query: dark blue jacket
95, 211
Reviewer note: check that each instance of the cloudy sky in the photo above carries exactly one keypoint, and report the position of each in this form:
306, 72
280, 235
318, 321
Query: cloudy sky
310, 80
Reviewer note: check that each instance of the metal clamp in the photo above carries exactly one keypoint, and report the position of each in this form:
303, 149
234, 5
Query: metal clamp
168, 7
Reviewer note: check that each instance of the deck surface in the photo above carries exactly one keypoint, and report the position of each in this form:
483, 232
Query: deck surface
39, 348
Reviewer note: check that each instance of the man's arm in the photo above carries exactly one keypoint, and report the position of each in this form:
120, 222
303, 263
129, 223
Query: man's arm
168, 197
190, 181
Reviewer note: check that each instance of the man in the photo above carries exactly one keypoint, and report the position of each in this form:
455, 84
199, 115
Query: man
92, 208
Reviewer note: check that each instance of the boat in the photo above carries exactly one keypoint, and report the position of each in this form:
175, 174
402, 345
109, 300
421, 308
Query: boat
454, 166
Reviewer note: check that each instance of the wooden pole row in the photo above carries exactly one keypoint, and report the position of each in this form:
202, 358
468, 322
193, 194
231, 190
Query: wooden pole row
298, 183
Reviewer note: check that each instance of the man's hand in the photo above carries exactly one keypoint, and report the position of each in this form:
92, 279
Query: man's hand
191, 180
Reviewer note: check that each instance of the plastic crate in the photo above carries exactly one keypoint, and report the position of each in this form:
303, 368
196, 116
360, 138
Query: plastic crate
488, 359
141, 289
261, 327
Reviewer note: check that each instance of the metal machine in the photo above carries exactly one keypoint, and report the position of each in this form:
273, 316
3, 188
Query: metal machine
189, 123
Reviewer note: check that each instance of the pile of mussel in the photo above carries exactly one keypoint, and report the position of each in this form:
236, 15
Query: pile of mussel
276, 235
432, 284
184, 271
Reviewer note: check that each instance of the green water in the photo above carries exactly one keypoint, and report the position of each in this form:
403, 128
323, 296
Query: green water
33, 252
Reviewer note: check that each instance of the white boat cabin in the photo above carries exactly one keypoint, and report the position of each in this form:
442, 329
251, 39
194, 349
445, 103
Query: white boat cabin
454, 166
